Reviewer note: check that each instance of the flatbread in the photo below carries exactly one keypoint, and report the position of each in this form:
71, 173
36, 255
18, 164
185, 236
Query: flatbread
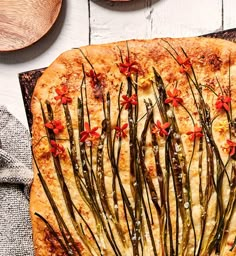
134, 150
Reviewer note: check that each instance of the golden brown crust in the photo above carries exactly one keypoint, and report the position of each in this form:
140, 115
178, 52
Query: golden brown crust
211, 61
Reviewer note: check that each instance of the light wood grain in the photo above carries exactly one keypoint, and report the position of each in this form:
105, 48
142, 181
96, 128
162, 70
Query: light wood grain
23, 22
71, 30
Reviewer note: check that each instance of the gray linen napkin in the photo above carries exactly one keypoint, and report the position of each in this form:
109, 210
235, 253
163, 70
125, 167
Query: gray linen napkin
15, 179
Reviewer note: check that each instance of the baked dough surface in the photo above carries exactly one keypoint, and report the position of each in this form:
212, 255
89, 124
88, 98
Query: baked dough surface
134, 150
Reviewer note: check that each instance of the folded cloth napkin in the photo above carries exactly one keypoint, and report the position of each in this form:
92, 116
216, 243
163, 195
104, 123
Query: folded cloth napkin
15, 179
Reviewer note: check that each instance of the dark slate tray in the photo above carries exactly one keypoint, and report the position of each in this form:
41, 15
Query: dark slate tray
28, 79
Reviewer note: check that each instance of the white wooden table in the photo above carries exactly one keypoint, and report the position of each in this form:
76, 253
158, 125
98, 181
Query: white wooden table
83, 22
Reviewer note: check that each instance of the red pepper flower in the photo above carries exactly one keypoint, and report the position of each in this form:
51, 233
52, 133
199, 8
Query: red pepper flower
174, 97
222, 102
62, 95
185, 64
120, 131
160, 128
127, 68
196, 133
56, 149
231, 147
94, 78
89, 134
128, 101
55, 125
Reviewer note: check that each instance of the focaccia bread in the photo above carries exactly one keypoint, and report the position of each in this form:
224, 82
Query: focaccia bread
134, 147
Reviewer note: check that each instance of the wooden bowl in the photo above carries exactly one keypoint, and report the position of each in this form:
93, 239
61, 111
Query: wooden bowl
23, 22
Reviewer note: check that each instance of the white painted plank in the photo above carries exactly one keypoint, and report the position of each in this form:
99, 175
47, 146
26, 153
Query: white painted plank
72, 30
144, 19
183, 18
118, 21
229, 14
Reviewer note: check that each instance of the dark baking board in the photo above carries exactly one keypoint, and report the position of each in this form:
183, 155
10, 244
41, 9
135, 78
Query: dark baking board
28, 79
229, 35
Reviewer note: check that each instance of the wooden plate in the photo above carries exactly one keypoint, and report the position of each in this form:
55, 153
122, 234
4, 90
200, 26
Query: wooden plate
23, 22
